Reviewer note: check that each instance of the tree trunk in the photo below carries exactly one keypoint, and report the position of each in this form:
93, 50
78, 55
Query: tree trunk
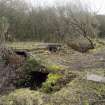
90, 41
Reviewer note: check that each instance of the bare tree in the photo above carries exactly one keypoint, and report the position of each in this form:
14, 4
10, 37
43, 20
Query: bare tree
82, 21
3, 29
48, 23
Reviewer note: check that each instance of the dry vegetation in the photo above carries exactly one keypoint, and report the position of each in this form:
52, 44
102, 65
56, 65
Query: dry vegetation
34, 70
77, 90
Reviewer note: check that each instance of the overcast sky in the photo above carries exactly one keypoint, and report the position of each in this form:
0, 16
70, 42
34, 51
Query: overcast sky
96, 5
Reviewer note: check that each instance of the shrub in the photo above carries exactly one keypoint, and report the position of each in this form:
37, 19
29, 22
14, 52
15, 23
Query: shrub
25, 77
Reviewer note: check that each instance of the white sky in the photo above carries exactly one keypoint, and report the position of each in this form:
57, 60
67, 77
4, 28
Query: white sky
96, 5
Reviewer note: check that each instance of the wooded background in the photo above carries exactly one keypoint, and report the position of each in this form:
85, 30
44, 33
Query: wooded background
58, 23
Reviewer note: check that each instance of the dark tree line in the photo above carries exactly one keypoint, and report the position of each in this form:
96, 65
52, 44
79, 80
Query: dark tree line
54, 24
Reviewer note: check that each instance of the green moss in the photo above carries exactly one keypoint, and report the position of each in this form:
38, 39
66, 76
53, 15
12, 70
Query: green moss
54, 77
86, 102
54, 67
48, 86
22, 97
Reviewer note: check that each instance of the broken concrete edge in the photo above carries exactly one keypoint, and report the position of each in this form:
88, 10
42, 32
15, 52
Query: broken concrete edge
94, 78
40, 46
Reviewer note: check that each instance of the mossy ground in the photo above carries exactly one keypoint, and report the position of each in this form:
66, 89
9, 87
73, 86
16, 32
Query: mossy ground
74, 92
69, 95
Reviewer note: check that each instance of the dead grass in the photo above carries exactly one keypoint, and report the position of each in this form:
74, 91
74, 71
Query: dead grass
79, 63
